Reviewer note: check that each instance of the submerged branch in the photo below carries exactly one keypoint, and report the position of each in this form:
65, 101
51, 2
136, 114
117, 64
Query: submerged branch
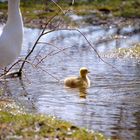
8, 74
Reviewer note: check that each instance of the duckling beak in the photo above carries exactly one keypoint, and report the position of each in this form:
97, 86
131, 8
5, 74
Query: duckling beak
88, 72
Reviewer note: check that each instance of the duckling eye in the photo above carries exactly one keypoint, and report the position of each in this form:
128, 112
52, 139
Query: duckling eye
86, 71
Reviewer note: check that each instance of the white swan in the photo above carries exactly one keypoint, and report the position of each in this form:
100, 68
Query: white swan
12, 35
78, 82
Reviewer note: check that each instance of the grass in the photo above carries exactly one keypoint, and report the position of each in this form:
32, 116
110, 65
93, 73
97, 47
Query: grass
34, 11
16, 124
130, 53
133, 52
121, 8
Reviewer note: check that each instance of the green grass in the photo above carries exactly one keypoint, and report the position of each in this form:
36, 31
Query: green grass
14, 124
35, 12
130, 53
128, 8
133, 52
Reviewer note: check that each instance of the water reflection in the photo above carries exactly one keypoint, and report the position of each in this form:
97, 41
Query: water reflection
111, 105
81, 92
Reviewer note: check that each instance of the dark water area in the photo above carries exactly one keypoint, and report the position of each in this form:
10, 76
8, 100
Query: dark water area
111, 105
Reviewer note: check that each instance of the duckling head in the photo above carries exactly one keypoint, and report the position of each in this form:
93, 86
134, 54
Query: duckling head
83, 72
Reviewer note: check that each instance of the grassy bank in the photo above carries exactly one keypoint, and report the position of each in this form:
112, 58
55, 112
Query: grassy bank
129, 53
121, 8
35, 12
133, 52
16, 124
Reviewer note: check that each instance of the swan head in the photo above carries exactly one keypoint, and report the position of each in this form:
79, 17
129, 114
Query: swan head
84, 71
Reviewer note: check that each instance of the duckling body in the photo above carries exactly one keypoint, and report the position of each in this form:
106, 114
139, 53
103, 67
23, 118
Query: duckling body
82, 81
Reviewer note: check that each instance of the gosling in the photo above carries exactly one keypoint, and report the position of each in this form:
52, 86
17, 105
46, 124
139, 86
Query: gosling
78, 82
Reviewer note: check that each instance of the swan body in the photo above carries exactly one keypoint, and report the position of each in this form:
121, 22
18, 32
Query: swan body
12, 35
81, 81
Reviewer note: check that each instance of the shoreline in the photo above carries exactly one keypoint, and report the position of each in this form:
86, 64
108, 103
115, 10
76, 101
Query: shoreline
81, 13
17, 124
84, 21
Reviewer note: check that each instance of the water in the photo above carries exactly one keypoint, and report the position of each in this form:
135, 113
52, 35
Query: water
112, 103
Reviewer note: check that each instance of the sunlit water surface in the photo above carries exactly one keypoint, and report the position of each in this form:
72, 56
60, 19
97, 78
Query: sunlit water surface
112, 103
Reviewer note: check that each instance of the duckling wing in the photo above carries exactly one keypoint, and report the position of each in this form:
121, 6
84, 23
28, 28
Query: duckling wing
72, 82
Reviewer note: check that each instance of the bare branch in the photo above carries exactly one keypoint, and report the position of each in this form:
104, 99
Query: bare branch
49, 74
52, 54
56, 47
44, 32
42, 59
87, 42
36, 42
58, 7
14, 74
73, 1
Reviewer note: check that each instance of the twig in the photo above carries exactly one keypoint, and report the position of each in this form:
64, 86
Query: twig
44, 32
73, 1
36, 42
97, 51
56, 47
87, 42
58, 7
42, 59
51, 54
10, 68
12, 74
49, 74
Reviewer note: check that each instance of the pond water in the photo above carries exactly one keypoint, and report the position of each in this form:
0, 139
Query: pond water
111, 105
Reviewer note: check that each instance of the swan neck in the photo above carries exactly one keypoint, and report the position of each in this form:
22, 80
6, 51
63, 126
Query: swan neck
13, 9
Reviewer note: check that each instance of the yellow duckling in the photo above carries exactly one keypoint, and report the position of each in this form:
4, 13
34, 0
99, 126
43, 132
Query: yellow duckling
78, 82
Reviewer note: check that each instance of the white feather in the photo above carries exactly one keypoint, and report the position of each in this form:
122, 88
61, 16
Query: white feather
12, 35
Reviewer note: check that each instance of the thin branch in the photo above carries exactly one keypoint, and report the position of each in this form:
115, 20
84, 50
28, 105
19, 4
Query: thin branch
58, 7
12, 74
73, 1
56, 47
10, 68
96, 51
44, 32
49, 73
51, 54
36, 42
87, 42
42, 59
